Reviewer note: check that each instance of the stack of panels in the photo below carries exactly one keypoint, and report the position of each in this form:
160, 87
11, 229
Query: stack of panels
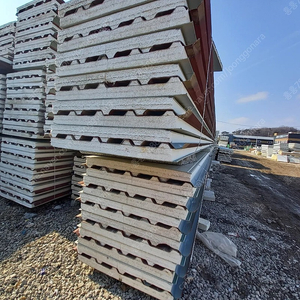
2, 98
24, 113
7, 42
128, 84
50, 97
294, 159
266, 150
224, 154
223, 143
139, 221
36, 34
294, 146
293, 155
79, 169
280, 147
2, 103
33, 172
282, 158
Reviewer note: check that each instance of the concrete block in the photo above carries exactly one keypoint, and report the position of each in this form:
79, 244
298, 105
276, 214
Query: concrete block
208, 184
209, 196
203, 224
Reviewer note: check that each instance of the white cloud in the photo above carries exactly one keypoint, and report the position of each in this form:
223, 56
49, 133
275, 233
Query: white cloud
239, 121
255, 97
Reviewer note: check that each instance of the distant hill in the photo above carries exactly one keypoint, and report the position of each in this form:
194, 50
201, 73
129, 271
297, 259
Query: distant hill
265, 131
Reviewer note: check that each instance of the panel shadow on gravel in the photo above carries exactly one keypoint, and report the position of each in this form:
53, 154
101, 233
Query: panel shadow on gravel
117, 288
20, 225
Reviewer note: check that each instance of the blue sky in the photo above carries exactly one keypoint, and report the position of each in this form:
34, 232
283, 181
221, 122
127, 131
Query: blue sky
260, 86
8, 10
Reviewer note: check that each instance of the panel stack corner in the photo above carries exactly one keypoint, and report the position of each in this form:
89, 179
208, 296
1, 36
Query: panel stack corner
32, 171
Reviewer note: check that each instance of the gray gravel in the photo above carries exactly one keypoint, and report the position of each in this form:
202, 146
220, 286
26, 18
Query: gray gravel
270, 265
38, 260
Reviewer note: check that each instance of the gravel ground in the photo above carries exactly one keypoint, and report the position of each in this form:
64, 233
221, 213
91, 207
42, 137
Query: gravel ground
38, 260
252, 199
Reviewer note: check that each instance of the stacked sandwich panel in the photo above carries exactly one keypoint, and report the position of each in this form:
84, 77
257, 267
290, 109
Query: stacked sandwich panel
134, 79
131, 79
224, 154
293, 154
24, 113
223, 143
33, 172
139, 221
294, 147
7, 42
50, 97
79, 169
36, 34
266, 150
280, 147
294, 160
2, 98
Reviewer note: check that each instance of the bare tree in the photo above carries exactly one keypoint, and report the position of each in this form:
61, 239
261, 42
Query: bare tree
265, 131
